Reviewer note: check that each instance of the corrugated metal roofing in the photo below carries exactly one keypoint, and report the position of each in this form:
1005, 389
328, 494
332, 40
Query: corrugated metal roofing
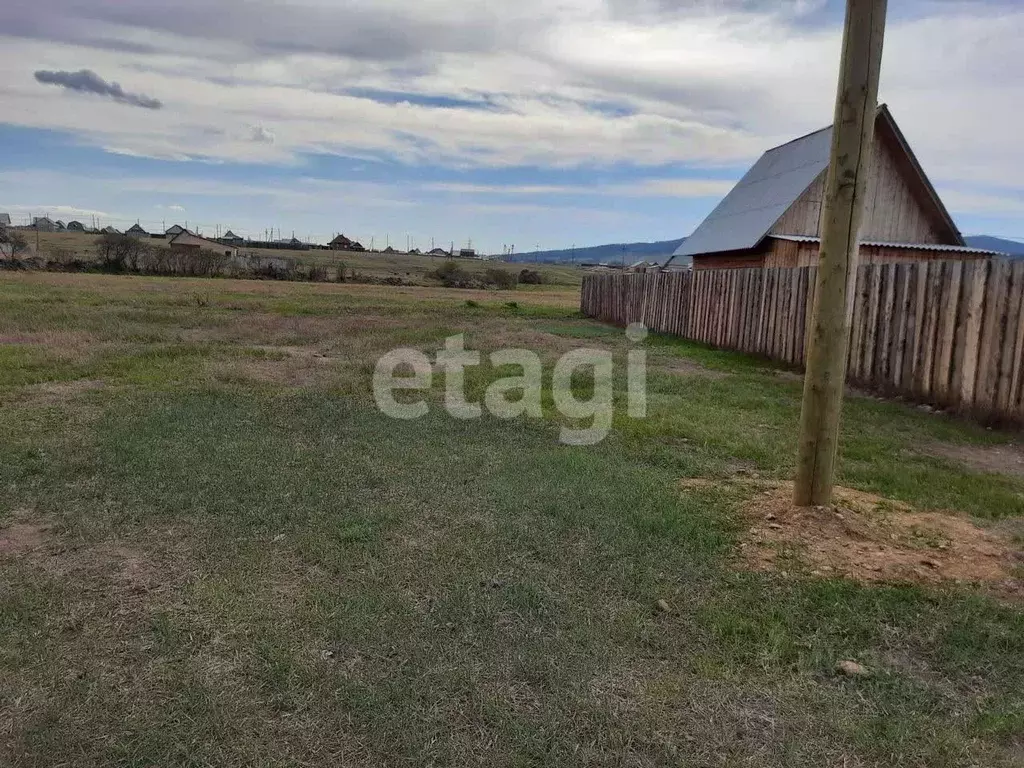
879, 244
760, 198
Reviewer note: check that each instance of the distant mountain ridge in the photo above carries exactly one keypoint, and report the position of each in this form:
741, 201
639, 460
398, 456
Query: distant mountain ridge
1010, 247
630, 253
612, 253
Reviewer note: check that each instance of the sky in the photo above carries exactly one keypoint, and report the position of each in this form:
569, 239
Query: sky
533, 124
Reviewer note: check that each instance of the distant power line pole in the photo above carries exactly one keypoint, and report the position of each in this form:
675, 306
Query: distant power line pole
853, 131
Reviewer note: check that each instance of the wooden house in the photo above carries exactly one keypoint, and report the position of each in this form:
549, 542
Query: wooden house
136, 231
772, 217
186, 241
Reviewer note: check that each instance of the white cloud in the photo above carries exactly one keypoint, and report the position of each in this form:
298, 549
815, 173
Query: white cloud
664, 84
967, 201
592, 83
23, 212
679, 188
261, 135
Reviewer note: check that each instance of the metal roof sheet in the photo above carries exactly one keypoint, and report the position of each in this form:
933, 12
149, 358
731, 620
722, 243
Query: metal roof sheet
916, 246
760, 198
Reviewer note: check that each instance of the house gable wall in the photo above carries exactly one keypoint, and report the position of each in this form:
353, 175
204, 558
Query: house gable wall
896, 208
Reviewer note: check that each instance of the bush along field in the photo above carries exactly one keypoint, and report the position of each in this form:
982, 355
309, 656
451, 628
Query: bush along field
215, 550
123, 254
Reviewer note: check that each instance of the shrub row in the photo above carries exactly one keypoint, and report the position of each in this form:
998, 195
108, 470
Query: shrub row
451, 275
121, 254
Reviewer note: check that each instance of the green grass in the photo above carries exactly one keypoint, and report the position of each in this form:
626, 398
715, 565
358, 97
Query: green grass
244, 563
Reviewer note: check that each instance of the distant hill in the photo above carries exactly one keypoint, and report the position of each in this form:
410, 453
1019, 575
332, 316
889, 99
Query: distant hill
630, 253
613, 253
1011, 247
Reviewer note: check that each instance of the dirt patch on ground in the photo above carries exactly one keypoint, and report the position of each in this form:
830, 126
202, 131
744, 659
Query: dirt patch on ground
60, 389
302, 353
1000, 459
690, 368
303, 371
122, 569
22, 536
871, 539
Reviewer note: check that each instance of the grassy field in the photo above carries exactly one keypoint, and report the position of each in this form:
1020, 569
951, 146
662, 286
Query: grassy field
215, 551
410, 268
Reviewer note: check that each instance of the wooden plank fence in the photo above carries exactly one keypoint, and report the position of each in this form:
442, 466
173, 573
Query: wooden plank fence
948, 333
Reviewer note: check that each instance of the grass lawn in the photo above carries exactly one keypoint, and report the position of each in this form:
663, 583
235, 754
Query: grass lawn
215, 551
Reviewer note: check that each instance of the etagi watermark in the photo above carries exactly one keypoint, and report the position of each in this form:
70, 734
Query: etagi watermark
577, 371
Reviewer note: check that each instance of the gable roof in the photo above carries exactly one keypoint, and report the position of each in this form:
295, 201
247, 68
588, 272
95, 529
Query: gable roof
760, 198
136, 228
746, 215
229, 235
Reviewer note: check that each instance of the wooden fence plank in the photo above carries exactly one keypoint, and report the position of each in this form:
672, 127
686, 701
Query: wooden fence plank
1013, 405
942, 371
885, 321
919, 316
1010, 322
901, 293
871, 326
933, 297
974, 306
857, 323
993, 326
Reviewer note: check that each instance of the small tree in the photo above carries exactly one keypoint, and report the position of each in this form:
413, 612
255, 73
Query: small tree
451, 275
120, 253
501, 278
12, 242
530, 277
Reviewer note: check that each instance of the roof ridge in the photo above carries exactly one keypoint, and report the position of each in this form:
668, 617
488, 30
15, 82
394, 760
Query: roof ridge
798, 138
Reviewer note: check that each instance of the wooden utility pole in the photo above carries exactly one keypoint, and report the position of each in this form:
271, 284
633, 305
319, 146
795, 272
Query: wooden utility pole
849, 165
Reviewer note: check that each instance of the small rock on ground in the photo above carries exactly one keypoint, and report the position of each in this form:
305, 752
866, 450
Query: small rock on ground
852, 669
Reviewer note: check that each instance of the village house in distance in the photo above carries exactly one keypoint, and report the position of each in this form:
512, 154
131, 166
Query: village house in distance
772, 217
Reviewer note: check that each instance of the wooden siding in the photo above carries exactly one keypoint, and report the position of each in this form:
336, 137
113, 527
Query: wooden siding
949, 333
803, 217
790, 253
736, 260
897, 207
